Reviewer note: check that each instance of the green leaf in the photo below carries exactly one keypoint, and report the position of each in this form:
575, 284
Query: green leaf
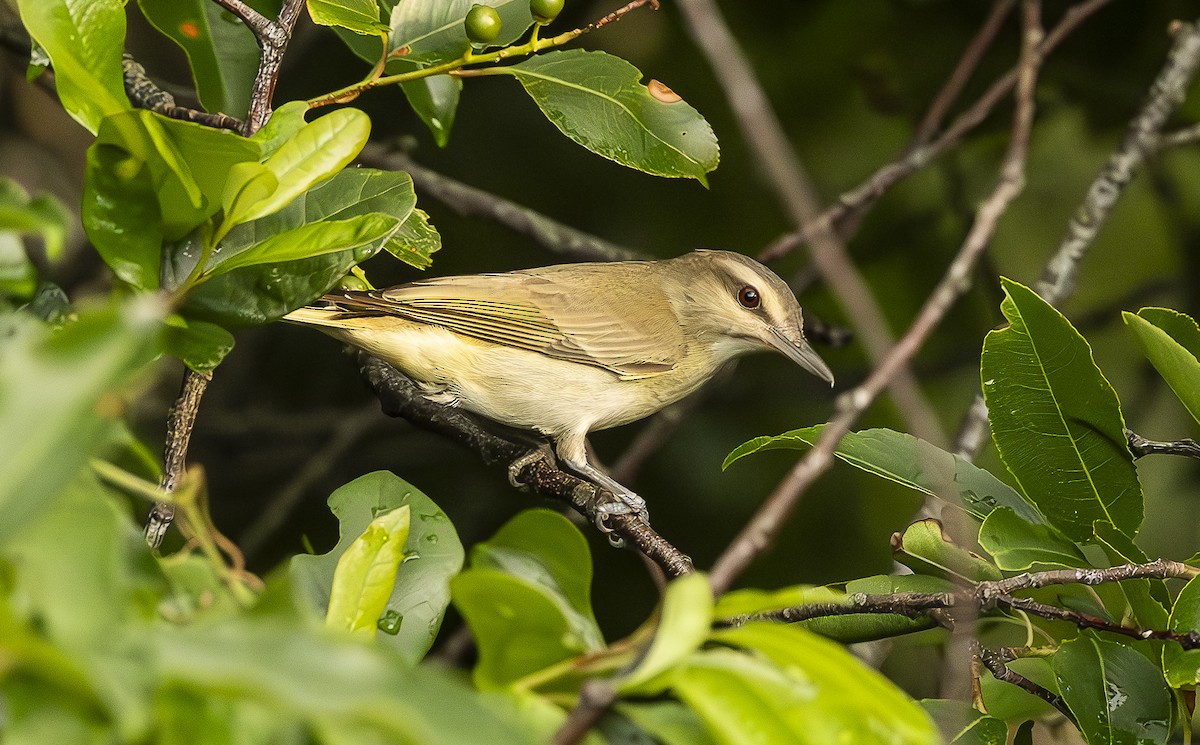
908, 461
432, 30
356, 234
283, 125
84, 40
359, 16
248, 185
795, 687
684, 622
221, 51
1115, 693
43, 216
51, 384
926, 549
1017, 545
962, 724
201, 345
314, 154
598, 101
421, 594
255, 295
121, 216
542, 546
1011, 703
1171, 342
416, 241
435, 100
366, 574
1056, 420
1182, 667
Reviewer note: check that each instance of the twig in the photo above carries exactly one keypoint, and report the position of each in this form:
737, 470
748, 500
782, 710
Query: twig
760, 532
180, 422
913, 160
470, 201
145, 94
764, 134
1180, 137
997, 664
595, 698
349, 429
1141, 140
273, 37
400, 397
1140, 446
962, 72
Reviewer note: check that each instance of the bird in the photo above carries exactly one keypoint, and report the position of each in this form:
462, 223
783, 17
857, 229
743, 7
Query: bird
567, 349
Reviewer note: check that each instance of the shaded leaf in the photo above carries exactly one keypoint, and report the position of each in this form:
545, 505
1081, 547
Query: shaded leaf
422, 590
1056, 420
201, 345
221, 51
598, 101
1182, 667
1017, 545
685, 619
1171, 342
435, 100
925, 548
670, 722
1115, 693
910, 462
962, 724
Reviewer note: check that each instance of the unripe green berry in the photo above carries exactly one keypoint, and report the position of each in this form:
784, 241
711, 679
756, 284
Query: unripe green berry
353, 284
544, 11
482, 24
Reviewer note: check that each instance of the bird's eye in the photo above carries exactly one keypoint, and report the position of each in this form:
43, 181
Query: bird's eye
749, 297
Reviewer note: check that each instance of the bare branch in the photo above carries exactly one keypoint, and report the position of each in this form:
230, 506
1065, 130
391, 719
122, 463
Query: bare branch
1141, 447
145, 94
997, 664
766, 524
180, 422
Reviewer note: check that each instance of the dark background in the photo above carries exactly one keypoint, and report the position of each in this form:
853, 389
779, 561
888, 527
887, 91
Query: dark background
287, 417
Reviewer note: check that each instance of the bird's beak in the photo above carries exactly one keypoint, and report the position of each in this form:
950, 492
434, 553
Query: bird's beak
802, 354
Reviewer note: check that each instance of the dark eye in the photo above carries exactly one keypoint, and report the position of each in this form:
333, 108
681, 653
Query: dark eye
749, 297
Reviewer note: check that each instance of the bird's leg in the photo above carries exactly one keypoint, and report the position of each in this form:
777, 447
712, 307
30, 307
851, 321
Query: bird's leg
541, 452
572, 453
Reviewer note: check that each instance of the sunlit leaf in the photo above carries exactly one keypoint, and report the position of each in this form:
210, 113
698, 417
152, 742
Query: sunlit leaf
685, 619
366, 573
1171, 342
359, 16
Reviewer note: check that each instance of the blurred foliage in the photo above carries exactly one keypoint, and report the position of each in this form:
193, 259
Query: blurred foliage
98, 639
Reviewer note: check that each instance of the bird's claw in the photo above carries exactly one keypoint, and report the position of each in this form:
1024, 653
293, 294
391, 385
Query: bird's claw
518, 465
626, 503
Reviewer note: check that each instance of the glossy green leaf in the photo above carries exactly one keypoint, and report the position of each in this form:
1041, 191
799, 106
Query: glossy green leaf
422, 590
283, 125
435, 100
432, 30
519, 627
1056, 420
598, 101
542, 546
201, 345
791, 686
84, 40
962, 724
366, 574
1115, 693
255, 295
685, 619
1017, 545
121, 216
221, 51
1171, 342
51, 383
926, 549
910, 462
1182, 667
355, 234
359, 16
247, 186
314, 154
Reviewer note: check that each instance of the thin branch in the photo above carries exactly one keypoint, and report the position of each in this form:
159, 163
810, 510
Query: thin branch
180, 422
775, 156
255, 21
349, 429
761, 531
595, 698
913, 160
962, 72
1141, 447
997, 664
144, 93
273, 37
1141, 140
472, 202
1180, 137
400, 397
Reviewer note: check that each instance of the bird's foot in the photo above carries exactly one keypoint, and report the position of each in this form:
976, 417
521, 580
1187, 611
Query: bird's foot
626, 503
518, 465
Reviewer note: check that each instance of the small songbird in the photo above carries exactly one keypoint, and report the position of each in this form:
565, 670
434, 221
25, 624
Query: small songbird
564, 350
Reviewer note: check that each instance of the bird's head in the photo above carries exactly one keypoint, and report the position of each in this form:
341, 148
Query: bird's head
742, 306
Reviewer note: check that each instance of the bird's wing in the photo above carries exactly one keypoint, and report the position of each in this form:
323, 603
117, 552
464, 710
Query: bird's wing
536, 314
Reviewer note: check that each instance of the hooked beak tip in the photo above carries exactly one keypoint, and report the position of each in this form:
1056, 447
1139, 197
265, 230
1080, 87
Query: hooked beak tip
803, 355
